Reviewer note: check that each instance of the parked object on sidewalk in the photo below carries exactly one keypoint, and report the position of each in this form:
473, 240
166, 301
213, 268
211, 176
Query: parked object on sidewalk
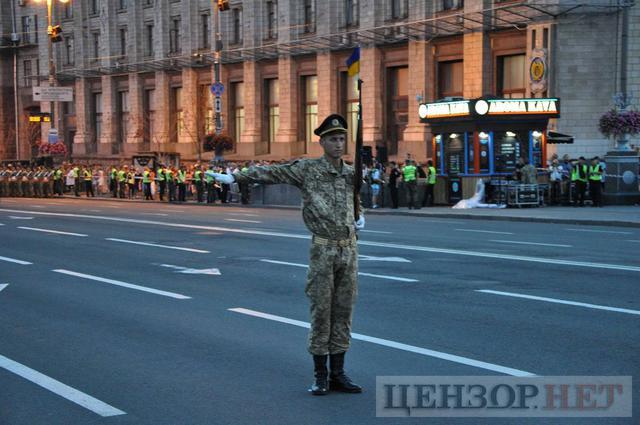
477, 200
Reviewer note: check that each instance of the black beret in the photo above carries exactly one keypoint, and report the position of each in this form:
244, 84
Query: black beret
333, 123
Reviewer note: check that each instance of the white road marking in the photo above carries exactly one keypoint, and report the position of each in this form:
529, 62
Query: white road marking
559, 301
37, 206
2, 286
179, 248
397, 345
186, 270
123, 284
85, 400
506, 257
631, 240
483, 231
376, 231
13, 260
600, 231
160, 214
246, 214
1, 224
57, 232
531, 243
95, 210
386, 259
20, 218
379, 276
242, 221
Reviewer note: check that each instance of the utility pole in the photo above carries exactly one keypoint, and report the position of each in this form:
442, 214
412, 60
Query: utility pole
219, 5
52, 66
15, 39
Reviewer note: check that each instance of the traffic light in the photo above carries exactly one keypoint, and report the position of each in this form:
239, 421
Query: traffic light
56, 34
223, 5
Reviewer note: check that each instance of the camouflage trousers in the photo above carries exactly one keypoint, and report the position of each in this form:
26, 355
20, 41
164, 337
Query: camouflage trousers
332, 287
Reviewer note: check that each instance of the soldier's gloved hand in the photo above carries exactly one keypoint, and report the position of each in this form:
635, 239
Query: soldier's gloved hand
222, 178
359, 224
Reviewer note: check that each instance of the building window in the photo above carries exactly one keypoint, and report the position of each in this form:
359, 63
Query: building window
310, 106
511, 76
174, 36
205, 111
27, 73
205, 42
69, 54
26, 29
351, 13
309, 11
149, 111
272, 19
123, 41
37, 76
148, 37
67, 10
122, 109
97, 115
147, 3
122, 5
178, 113
397, 106
94, 7
452, 4
237, 102
349, 102
272, 109
237, 25
450, 79
533, 39
399, 9
96, 46
545, 38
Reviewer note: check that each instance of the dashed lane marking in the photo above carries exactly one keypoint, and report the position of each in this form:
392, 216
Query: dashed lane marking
13, 260
600, 231
78, 397
378, 276
559, 301
531, 243
242, 221
178, 248
123, 284
483, 231
397, 345
57, 232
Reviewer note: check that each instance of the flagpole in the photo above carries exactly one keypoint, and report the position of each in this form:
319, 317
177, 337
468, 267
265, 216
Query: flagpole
358, 156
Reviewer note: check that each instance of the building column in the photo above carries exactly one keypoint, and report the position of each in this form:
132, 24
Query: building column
417, 135
162, 118
372, 96
328, 100
252, 135
83, 117
187, 143
134, 138
478, 77
109, 128
286, 144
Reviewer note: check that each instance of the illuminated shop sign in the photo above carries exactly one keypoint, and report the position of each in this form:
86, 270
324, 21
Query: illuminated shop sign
549, 108
444, 109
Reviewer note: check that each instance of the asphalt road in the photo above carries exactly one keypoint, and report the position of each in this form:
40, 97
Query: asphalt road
122, 319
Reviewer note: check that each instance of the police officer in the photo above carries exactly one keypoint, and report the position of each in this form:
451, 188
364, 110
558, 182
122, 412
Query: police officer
409, 175
113, 181
595, 181
579, 176
162, 181
431, 184
87, 176
146, 184
122, 181
198, 181
181, 181
327, 190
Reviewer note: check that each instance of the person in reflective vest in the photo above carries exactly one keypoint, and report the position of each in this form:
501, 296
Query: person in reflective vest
170, 175
211, 187
76, 179
431, 184
182, 184
579, 176
595, 181
87, 176
410, 183
146, 184
57, 182
162, 181
199, 183
113, 182
122, 181
131, 183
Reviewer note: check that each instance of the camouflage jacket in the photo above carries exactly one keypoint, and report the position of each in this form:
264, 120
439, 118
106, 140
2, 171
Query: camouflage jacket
327, 194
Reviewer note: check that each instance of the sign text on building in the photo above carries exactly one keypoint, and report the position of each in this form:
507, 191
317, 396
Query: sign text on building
53, 94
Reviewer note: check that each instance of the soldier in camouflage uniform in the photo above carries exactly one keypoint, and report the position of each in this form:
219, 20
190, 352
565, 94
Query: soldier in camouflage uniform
327, 185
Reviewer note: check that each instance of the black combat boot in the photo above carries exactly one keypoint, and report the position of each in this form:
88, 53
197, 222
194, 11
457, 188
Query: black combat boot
338, 380
321, 374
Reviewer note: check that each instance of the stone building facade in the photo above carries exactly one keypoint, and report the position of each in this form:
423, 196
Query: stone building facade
141, 70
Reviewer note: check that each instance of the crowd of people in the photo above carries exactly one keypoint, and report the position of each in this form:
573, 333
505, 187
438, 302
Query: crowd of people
569, 180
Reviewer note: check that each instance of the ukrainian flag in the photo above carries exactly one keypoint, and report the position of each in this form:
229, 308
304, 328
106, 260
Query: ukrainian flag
353, 63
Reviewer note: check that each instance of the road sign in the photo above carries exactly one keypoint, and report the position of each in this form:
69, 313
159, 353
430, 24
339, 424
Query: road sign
217, 89
53, 94
217, 104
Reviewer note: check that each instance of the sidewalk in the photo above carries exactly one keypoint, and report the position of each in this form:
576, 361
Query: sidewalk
615, 215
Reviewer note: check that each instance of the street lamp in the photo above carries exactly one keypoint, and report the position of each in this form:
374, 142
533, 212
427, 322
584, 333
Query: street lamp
219, 6
52, 67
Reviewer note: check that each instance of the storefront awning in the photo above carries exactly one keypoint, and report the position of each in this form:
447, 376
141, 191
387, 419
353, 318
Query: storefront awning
556, 138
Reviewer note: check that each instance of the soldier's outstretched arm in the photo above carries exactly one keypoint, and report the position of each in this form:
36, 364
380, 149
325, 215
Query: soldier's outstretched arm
291, 173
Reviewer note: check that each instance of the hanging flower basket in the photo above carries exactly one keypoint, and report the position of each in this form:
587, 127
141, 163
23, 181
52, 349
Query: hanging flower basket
217, 143
619, 123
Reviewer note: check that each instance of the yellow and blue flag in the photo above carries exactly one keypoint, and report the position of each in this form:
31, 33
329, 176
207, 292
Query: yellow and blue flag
353, 63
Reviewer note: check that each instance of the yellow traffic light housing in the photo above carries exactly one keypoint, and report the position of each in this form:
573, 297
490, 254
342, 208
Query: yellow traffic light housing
56, 34
223, 5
